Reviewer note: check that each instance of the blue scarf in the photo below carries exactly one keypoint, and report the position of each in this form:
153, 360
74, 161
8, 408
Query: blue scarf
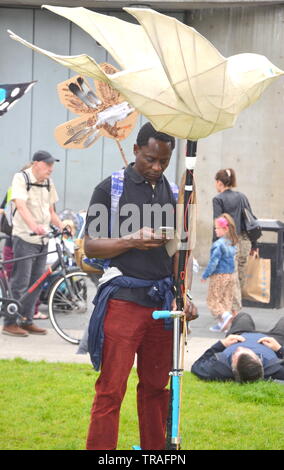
159, 291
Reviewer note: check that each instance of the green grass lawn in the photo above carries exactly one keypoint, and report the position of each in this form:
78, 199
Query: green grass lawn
46, 406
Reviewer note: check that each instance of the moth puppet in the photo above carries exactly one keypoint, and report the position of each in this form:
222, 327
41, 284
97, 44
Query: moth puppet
11, 93
103, 112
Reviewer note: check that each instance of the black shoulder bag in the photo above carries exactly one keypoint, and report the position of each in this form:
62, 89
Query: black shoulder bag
251, 224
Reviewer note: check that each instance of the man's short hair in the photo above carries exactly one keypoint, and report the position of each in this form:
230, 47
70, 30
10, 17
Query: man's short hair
248, 369
147, 131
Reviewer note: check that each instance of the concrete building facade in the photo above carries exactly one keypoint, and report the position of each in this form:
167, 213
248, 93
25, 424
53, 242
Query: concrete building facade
254, 147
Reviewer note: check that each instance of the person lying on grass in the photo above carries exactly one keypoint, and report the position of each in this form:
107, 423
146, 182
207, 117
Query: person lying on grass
244, 355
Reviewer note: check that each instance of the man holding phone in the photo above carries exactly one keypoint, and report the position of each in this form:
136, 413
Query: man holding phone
142, 283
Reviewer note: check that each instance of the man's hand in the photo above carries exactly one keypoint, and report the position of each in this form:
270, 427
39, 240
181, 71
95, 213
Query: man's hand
145, 239
38, 229
270, 343
190, 309
232, 339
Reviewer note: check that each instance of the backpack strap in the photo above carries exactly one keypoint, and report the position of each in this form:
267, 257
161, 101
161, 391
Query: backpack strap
175, 190
117, 183
29, 183
117, 180
27, 180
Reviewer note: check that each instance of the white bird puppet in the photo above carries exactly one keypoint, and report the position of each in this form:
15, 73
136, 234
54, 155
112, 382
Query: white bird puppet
169, 72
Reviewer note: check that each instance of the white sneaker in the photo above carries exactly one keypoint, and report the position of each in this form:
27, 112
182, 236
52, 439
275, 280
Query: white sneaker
227, 318
216, 328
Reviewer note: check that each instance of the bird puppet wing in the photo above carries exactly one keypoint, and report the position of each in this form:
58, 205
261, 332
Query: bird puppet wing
170, 73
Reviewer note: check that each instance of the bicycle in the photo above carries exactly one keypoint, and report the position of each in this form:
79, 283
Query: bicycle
68, 297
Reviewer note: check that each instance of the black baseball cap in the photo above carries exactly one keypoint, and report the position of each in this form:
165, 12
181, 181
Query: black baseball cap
43, 156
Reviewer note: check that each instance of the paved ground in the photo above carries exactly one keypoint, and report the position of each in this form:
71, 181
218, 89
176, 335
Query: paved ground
52, 348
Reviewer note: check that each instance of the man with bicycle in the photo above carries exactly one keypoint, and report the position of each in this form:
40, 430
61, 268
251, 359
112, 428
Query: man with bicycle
34, 196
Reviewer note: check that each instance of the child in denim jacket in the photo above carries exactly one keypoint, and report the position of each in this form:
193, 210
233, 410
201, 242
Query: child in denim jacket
220, 270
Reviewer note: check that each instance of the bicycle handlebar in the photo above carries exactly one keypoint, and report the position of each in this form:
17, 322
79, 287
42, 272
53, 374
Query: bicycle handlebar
55, 232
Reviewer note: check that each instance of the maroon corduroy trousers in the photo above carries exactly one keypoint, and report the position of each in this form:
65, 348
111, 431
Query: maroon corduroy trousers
129, 329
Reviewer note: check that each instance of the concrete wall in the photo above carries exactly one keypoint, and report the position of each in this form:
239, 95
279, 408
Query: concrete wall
30, 125
255, 146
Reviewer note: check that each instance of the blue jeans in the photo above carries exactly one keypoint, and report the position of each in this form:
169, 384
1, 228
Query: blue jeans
25, 273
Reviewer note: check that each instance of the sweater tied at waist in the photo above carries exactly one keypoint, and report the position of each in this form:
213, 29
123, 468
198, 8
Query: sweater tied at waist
159, 290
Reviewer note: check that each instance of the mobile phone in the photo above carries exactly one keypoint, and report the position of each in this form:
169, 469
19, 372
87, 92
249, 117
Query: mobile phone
165, 232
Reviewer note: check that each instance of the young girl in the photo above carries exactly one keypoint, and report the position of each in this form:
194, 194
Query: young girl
231, 201
220, 270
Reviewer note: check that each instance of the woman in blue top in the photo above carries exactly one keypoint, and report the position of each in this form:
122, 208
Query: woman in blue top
220, 270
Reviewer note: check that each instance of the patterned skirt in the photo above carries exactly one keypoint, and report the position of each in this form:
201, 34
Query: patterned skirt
220, 293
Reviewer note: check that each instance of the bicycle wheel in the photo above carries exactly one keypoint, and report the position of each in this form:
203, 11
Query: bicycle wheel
70, 306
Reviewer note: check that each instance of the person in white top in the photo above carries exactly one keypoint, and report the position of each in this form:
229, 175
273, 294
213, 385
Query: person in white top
34, 196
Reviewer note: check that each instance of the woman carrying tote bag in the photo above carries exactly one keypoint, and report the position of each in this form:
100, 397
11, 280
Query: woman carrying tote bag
233, 202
